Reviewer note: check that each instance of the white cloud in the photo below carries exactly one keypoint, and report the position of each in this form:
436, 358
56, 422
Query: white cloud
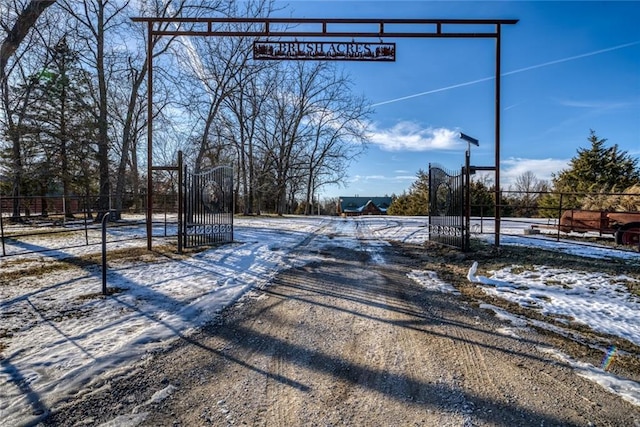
599, 105
410, 178
369, 178
411, 136
542, 168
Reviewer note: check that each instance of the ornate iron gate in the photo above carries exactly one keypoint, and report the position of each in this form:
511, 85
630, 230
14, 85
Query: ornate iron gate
208, 207
447, 222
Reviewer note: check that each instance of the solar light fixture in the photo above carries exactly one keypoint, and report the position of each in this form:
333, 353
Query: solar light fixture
469, 139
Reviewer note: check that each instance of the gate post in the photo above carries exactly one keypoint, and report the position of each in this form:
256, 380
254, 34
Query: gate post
180, 202
105, 219
467, 202
466, 183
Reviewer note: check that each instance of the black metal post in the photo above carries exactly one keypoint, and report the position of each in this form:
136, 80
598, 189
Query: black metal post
180, 201
559, 218
4, 253
461, 201
86, 214
498, 201
149, 134
467, 197
105, 218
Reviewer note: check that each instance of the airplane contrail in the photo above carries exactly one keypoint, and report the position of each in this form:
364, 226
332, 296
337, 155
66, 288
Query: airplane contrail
520, 70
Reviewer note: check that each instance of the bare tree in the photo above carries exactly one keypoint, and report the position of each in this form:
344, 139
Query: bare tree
528, 189
128, 97
26, 17
214, 63
317, 127
337, 133
255, 87
114, 49
298, 87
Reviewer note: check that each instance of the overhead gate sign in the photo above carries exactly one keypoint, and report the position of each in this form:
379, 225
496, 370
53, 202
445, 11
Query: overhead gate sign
324, 50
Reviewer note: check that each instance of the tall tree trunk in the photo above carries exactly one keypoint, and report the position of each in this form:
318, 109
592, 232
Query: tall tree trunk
103, 137
309, 195
127, 137
243, 179
252, 179
135, 178
16, 166
64, 160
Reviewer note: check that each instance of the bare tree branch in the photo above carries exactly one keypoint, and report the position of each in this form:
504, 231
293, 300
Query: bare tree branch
25, 21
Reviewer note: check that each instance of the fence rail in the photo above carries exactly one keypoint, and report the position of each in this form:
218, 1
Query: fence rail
71, 222
585, 218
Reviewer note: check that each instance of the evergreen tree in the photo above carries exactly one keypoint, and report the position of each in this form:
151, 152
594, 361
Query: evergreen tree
416, 201
482, 198
62, 126
419, 191
399, 205
597, 169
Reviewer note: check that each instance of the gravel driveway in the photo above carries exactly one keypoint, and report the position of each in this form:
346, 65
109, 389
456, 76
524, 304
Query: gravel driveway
351, 340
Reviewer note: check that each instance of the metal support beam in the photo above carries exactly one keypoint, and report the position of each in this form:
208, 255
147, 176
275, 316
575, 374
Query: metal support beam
149, 134
320, 27
498, 202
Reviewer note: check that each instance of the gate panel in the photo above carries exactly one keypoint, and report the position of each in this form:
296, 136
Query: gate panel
446, 207
208, 207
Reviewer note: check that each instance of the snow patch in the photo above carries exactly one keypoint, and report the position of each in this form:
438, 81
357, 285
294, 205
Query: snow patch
599, 300
130, 420
628, 390
161, 395
430, 280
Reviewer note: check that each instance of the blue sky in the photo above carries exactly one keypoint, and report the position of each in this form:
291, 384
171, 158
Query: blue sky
567, 67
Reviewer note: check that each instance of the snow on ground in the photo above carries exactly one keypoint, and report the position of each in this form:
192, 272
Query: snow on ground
598, 300
63, 339
595, 299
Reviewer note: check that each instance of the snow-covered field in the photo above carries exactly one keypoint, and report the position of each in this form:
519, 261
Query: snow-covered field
61, 338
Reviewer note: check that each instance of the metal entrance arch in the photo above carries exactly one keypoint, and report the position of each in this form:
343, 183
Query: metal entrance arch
321, 28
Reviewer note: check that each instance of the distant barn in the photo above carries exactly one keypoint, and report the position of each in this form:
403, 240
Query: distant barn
354, 206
